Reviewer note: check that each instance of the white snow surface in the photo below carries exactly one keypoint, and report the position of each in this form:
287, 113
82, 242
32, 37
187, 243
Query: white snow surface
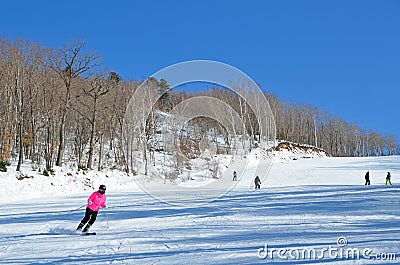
307, 203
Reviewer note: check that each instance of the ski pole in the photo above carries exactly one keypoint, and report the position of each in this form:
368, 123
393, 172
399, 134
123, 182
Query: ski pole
76, 209
107, 217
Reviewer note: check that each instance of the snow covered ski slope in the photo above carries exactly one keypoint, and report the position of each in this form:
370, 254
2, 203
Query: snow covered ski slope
311, 211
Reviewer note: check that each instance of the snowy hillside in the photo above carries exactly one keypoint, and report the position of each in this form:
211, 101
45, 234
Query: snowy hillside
69, 180
303, 205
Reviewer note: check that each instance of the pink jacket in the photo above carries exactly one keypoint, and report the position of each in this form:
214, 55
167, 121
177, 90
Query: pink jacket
97, 201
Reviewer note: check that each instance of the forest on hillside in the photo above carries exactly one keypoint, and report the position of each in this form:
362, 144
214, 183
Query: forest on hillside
60, 104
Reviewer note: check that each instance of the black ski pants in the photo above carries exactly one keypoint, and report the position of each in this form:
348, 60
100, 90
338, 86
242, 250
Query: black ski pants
90, 216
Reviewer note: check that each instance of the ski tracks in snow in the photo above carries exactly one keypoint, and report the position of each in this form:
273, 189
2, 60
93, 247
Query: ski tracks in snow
229, 230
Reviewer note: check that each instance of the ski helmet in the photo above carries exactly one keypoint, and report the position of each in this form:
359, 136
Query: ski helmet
102, 189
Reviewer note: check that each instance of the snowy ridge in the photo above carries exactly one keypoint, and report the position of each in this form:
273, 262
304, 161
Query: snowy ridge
29, 183
292, 151
67, 180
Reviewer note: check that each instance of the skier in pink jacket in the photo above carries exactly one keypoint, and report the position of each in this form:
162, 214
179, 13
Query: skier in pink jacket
96, 201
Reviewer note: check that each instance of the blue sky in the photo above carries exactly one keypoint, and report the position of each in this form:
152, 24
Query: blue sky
342, 56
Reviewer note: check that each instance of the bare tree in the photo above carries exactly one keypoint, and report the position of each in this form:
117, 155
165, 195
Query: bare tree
98, 87
69, 63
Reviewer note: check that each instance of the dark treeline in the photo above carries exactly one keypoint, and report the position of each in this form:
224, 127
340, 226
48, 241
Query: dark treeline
60, 105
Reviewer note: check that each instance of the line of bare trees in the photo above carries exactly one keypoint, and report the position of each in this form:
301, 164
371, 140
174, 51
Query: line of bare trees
60, 105
306, 124
302, 123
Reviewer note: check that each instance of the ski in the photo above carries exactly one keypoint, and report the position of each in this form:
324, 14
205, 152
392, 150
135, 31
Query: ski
89, 233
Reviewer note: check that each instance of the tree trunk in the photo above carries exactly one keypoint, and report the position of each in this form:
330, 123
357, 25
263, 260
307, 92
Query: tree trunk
100, 152
315, 133
21, 146
61, 145
145, 156
91, 145
20, 94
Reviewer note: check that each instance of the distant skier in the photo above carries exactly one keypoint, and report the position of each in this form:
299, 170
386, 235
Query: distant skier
367, 182
96, 201
234, 176
257, 182
388, 178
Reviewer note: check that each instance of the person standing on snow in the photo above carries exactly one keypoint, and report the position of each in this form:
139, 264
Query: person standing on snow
367, 182
388, 177
96, 201
234, 175
257, 182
